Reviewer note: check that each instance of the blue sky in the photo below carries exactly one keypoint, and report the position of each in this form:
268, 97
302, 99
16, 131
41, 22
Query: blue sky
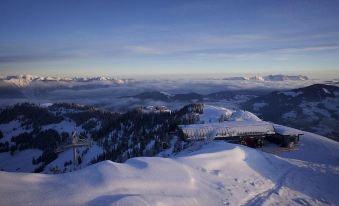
169, 37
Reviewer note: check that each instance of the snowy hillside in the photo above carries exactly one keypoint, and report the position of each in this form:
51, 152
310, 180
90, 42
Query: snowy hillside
314, 108
31, 135
212, 113
214, 173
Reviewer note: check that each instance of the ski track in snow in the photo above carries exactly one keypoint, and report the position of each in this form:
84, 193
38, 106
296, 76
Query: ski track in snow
260, 198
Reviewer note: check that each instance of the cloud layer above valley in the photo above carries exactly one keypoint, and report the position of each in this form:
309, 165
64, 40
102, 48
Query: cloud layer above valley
108, 94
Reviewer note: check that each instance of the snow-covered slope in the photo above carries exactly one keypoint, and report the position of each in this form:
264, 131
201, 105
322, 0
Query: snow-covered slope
215, 173
87, 155
313, 108
241, 115
212, 114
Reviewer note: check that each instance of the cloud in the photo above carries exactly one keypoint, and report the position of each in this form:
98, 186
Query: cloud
109, 97
310, 48
138, 49
175, 44
282, 53
232, 39
19, 58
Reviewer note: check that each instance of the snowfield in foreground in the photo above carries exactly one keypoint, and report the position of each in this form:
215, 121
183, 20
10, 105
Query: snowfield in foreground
214, 173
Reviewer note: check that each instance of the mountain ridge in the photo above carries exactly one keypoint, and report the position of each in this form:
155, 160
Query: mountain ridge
313, 108
26, 80
278, 77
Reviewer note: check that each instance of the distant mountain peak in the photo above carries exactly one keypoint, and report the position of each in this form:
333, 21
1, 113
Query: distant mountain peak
281, 77
278, 77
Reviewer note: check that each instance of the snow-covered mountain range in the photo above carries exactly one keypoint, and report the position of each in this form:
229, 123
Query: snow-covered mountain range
278, 77
107, 92
26, 80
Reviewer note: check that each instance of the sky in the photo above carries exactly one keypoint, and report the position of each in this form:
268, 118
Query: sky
182, 38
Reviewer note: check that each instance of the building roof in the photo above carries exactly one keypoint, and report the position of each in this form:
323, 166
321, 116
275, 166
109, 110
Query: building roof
227, 129
282, 130
227, 124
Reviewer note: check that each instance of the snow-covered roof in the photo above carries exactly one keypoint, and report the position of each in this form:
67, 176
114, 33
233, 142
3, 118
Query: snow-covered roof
286, 130
227, 124
227, 129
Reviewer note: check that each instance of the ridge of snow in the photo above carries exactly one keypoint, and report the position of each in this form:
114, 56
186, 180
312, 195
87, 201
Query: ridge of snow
241, 115
213, 114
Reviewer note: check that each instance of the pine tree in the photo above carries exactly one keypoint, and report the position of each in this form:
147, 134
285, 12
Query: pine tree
79, 160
